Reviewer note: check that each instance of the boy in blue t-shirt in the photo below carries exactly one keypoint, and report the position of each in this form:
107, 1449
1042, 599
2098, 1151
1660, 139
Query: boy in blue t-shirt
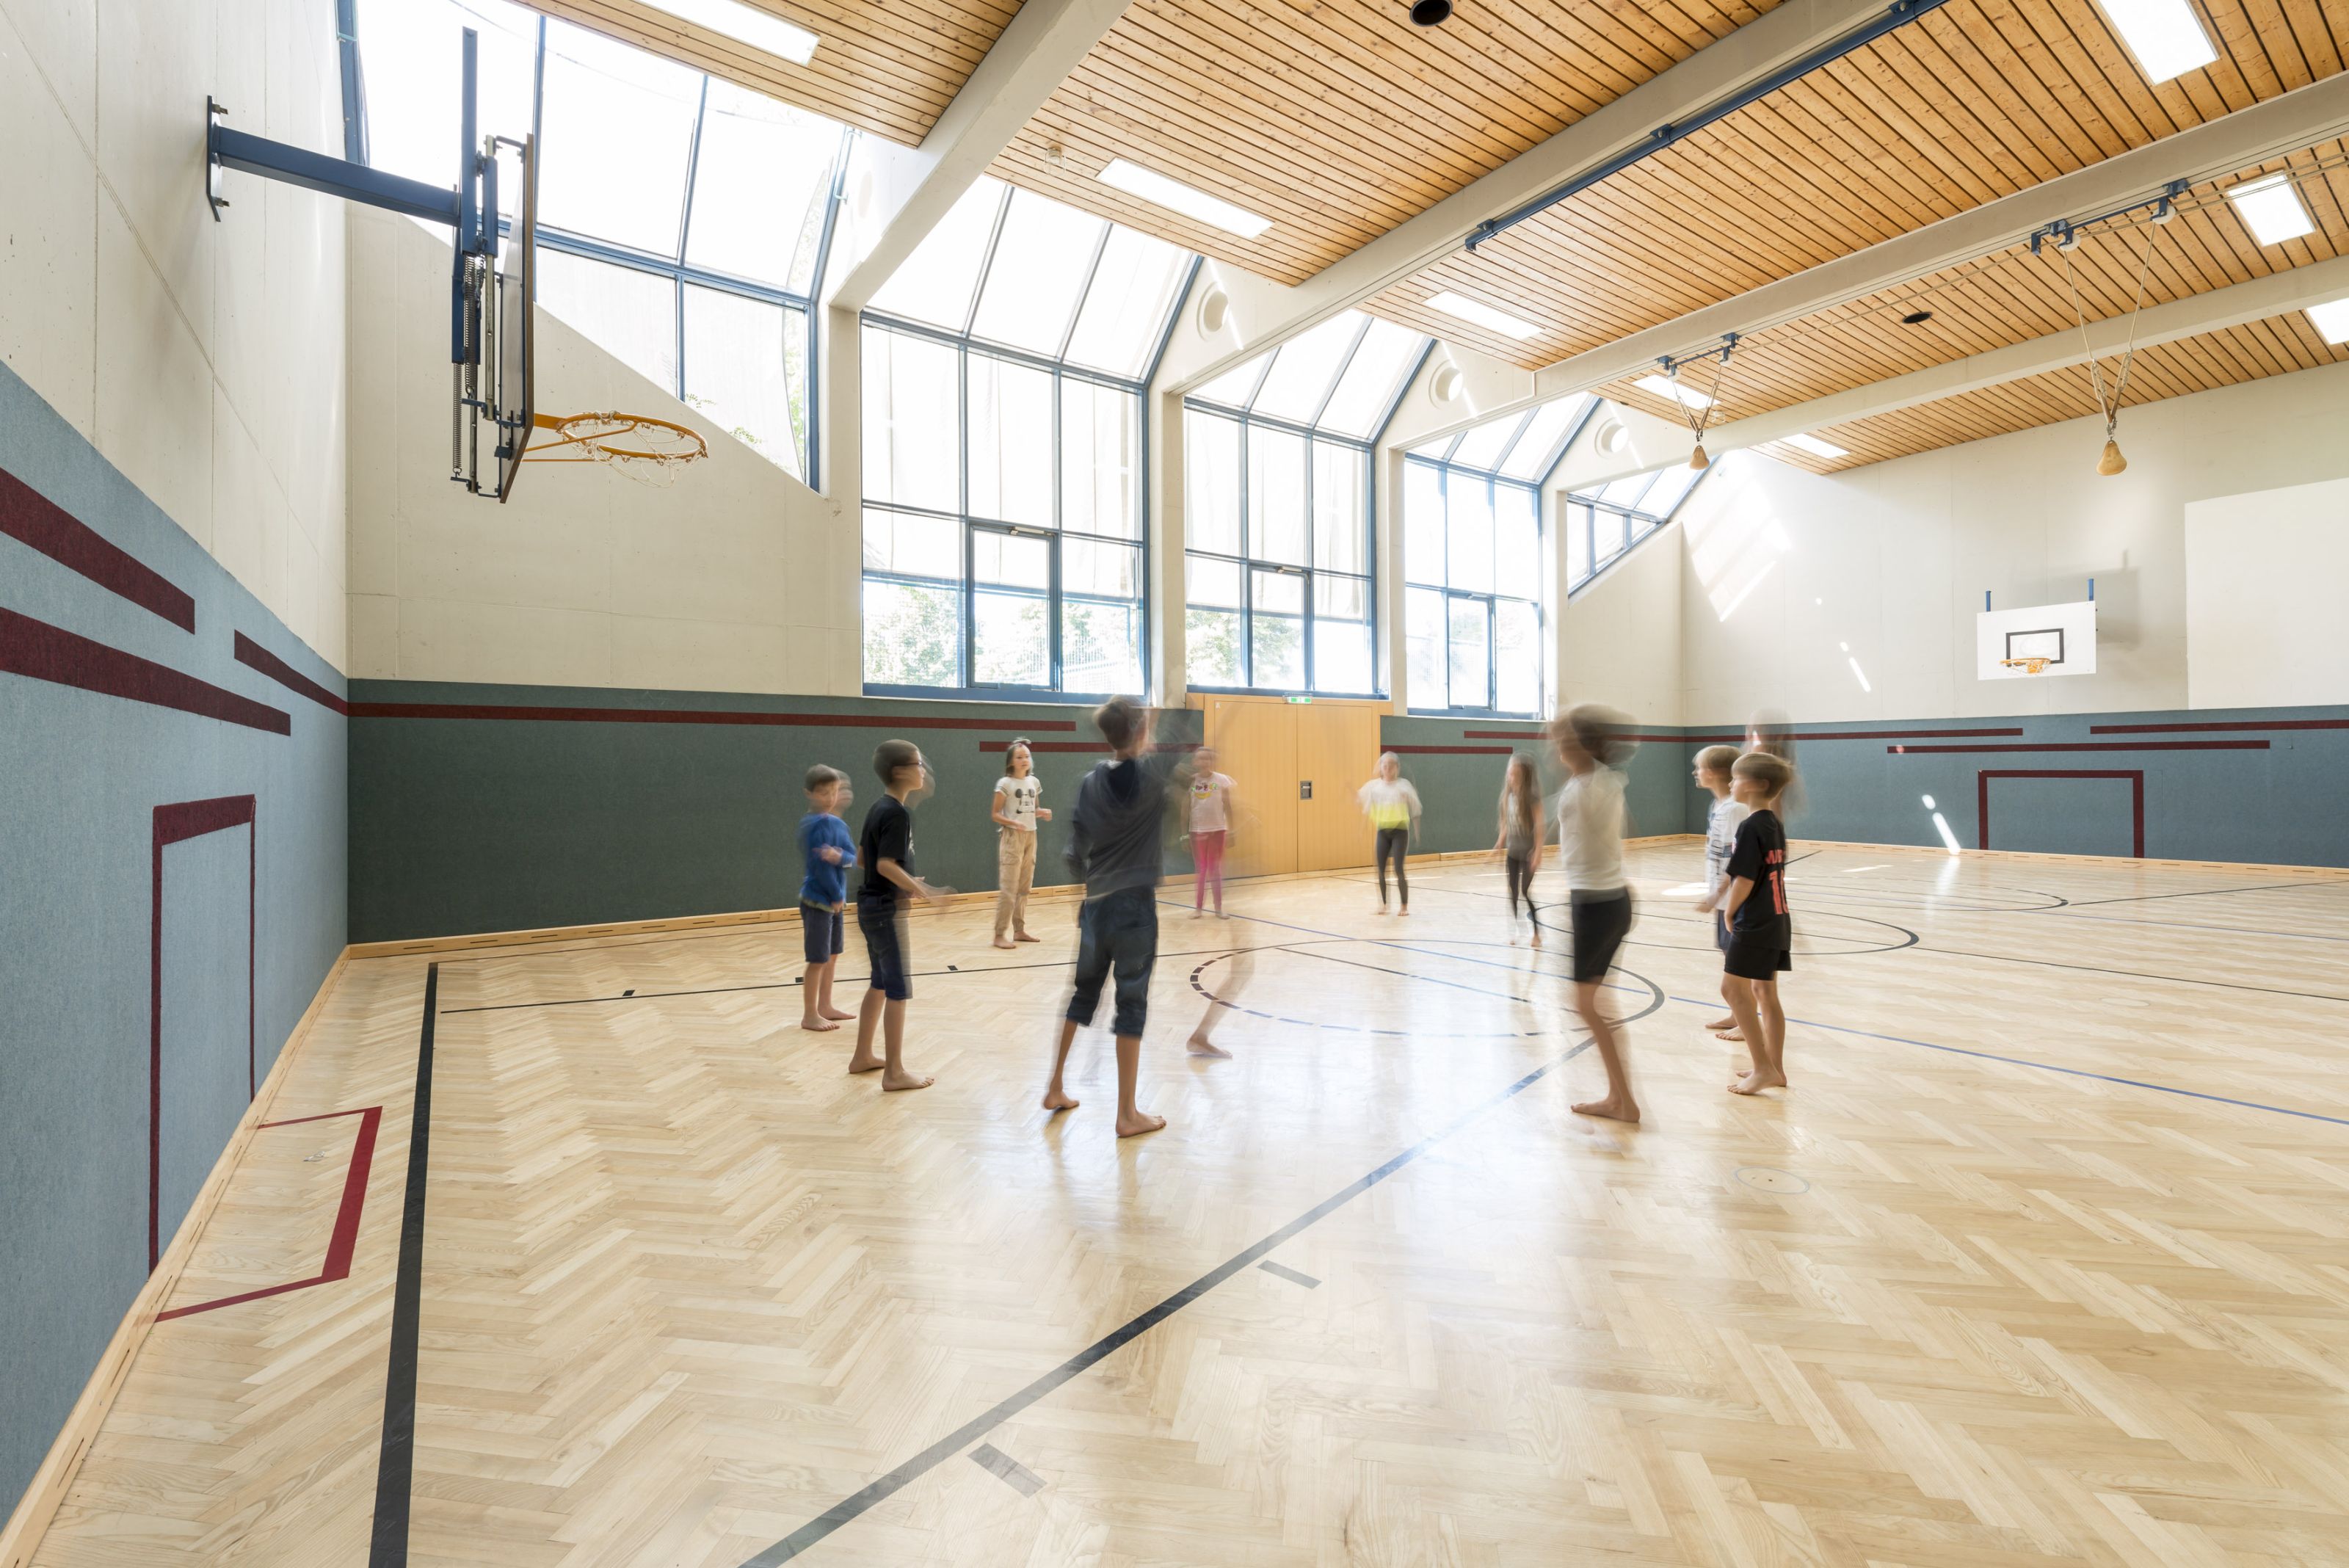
829, 851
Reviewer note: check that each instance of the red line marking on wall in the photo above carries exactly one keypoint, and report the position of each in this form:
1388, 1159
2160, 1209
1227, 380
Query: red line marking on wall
1450, 750
2102, 746
2230, 724
253, 656
344, 1242
696, 716
2137, 796
1797, 735
40, 651
1099, 748
27, 515
175, 822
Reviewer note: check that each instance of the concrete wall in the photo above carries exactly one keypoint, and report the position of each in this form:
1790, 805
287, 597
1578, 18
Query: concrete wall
729, 579
204, 360
2263, 576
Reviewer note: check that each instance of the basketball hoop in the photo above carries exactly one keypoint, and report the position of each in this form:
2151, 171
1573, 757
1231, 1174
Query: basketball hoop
646, 448
2036, 664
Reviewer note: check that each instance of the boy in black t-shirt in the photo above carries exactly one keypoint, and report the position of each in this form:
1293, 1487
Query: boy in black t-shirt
886, 853
1761, 932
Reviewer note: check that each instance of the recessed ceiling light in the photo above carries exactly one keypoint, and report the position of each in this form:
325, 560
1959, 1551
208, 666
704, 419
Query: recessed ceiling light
2331, 319
2272, 209
1816, 447
1476, 313
1188, 200
1665, 387
745, 25
2165, 35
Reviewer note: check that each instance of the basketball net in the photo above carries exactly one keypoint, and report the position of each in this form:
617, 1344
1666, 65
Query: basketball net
646, 448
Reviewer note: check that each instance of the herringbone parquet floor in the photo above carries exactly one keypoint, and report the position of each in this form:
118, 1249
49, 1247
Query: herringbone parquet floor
2043, 1257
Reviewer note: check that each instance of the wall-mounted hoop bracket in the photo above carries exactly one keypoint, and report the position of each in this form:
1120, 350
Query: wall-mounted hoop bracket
2065, 232
1672, 364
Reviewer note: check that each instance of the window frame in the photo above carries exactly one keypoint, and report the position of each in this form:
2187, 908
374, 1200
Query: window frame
1638, 526
1445, 473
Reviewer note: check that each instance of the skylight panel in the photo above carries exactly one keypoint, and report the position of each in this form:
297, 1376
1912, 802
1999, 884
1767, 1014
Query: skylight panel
1664, 387
1672, 484
1041, 257
2272, 209
411, 57
1188, 200
1816, 447
618, 133
1537, 444
745, 25
2165, 35
1372, 378
1236, 386
1628, 490
1481, 447
1126, 305
935, 283
1304, 366
2331, 319
1476, 313
761, 183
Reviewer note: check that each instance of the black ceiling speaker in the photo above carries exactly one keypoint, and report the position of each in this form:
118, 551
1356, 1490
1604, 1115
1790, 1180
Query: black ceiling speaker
1916, 318
1428, 13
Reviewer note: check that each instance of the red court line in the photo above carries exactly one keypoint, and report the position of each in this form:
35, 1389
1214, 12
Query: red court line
2230, 724
253, 656
2136, 795
39, 651
2103, 746
694, 716
175, 822
345, 1237
27, 515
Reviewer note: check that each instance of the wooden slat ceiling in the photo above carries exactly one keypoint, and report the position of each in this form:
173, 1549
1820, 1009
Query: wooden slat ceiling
2015, 296
1978, 100
1337, 119
889, 66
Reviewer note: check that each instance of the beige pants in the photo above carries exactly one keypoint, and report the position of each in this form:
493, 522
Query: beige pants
1015, 868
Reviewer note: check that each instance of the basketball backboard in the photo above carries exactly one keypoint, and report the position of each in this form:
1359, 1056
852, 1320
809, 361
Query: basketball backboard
2044, 639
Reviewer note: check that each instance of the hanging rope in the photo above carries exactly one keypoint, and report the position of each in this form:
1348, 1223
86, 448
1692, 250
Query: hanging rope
1700, 419
2112, 462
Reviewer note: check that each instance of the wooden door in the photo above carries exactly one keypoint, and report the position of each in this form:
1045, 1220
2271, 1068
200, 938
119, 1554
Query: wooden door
1337, 747
1256, 744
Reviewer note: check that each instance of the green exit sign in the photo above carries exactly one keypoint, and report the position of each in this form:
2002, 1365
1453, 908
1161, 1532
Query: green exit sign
1300, 699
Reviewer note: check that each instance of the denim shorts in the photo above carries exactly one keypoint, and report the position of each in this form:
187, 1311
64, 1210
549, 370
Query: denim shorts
1118, 931
884, 951
823, 931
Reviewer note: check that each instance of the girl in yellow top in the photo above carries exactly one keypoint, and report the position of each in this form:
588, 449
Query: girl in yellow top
1392, 806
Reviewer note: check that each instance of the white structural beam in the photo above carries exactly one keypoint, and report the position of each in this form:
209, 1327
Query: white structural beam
2220, 308
1266, 313
2295, 121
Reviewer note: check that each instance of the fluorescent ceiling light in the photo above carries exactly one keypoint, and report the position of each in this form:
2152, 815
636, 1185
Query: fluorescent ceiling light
1188, 200
2165, 35
1476, 313
745, 25
1816, 447
1665, 387
2331, 319
2272, 209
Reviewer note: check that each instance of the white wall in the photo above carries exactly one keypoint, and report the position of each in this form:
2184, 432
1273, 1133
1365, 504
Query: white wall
204, 360
726, 580
1618, 640
1782, 568
2264, 573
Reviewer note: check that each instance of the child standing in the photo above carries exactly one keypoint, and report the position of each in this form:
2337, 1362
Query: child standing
1211, 798
1392, 806
886, 852
1520, 840
827, 852
1594, 742
1761, 932
1016, 816
1713, 773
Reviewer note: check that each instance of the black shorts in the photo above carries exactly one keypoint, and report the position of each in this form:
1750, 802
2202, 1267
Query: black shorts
824, 932
1599, 922
1720, 930
1759, 954
884, 951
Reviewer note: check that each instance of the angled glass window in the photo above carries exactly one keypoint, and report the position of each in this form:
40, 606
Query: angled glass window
1003, 442
1473, 598
1604, 522
1524, 446
682, 219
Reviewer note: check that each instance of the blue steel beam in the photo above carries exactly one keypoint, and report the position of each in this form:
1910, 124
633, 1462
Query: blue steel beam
333, 176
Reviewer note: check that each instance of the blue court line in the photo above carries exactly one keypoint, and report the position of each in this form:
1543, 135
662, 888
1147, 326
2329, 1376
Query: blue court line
2049, 1067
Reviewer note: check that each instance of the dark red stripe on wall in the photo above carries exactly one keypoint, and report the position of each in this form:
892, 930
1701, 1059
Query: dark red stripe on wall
39, 651
344, 1242
2233, 724
1798, 736
2136, 795
253, 656
173, 823
1450, 750
2103, 746
694, 716
27, 515
1099, 747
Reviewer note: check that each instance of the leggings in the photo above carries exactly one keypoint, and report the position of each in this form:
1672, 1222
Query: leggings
1521, 880
1394, 841
1208, 856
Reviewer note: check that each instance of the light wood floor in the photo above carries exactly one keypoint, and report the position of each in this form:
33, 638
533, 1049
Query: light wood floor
2043, 1258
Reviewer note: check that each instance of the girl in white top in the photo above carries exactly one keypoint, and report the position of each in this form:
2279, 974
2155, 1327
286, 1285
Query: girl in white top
1210, 794
1594, 742
1016, 816
1392, 806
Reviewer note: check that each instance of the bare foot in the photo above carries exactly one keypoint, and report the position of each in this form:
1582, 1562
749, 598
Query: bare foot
1200, 1046
1059, 1100
1754, 1083
1719, 1025
860, 1062
1402, 913
1138, 1123
818, 1025
834, 1013
1380, 910
1536, 936
1198, 914
895, 1081
1731, 1035
1003, 941
1024, 937
1611, 1108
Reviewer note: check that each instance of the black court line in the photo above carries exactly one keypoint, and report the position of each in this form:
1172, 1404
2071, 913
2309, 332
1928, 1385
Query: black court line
2205, 926
394, 1471
2215, 892
1006, 1469
849, 1508
1291, 1275
2134, 974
